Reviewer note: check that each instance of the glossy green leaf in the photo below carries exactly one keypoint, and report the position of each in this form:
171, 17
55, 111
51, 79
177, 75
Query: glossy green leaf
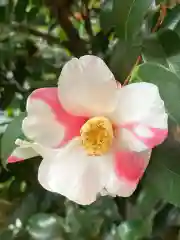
12, 132
163, 173
45, 227
172, 19
122, 60
146, 201
167, 82
163, 49
129, 16
135, 229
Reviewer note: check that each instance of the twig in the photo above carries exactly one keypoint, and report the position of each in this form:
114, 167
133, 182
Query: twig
163, 12
86, 18
136, 64
25, 28
61, 11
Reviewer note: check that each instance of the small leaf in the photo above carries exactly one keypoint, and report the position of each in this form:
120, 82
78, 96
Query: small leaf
167, 82
129, 17
13, 131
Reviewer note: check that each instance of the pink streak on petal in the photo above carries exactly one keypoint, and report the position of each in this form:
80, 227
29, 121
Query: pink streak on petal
159, 135
71, 123
13, 159
118, 84
130, 165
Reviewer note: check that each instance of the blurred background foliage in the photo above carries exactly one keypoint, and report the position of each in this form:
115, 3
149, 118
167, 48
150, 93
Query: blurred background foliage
140, 41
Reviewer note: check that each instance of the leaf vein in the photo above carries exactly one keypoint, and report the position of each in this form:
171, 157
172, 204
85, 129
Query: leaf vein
128, 17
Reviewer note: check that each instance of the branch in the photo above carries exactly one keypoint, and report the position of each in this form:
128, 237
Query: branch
49, 38
61, 10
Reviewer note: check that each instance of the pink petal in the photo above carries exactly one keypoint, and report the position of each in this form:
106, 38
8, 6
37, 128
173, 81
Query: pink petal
156, 137
13, 159
131, 165
70, 123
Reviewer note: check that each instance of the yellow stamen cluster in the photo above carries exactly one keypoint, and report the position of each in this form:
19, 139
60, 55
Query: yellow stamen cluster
97, 135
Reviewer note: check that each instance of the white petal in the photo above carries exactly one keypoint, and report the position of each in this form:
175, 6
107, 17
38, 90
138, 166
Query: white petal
20, 154
74, 174
87, 86
41, 124
120, 186
44, 172
141, 117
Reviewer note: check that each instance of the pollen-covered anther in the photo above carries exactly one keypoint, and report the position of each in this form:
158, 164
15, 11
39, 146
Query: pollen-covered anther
97, 135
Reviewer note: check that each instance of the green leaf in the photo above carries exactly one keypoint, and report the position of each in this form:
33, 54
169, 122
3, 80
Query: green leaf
20, 10
135, 229
129, 17
167, 82
26, 208
123, 58
163, 174
163, 49
154, 51
164, 46
12, 132
172, 19
106, 16
45, 227
146, 201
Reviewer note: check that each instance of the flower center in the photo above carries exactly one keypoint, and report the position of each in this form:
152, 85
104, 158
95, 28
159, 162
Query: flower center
97, 135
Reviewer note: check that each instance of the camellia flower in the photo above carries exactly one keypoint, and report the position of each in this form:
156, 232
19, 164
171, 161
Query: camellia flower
95, 136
